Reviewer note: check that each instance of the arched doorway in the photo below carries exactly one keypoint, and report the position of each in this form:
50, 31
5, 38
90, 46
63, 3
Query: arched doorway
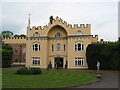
58, 61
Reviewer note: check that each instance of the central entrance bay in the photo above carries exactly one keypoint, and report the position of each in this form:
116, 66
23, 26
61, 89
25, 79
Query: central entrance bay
58, 62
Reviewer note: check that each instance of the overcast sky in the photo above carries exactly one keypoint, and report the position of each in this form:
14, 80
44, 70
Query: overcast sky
103, 16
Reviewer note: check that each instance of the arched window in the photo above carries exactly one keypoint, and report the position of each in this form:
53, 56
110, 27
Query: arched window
58, 47
79, 33
36, 47
52, 47
58, 35
36, 34
64, 47
79, 47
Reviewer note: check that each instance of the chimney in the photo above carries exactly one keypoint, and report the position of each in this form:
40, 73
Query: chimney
51, 19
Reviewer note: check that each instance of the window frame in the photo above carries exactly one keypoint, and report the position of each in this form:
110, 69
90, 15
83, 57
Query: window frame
79, 61
38, 47
36, 34
64, 47
52, 47
76, 48
79, 33
36, 61
58, 47
58, 35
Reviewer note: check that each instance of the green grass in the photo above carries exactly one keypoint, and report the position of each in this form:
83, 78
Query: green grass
48, 79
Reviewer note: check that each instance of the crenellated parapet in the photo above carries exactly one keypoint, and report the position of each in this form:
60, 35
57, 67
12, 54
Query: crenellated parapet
14, 39
61, 22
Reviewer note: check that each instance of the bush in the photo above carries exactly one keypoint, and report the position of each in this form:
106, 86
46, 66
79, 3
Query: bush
30, 71
7, 53
106, 54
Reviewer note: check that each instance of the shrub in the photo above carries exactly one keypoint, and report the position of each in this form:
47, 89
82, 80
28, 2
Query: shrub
106, 54
30, 71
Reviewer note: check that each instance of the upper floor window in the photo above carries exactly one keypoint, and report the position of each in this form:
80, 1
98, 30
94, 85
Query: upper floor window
15, 50
58, 47
79, 33
52, 47
58, 35
79, 62
36, 47
79, 47
64, 47
23, 50
36, 34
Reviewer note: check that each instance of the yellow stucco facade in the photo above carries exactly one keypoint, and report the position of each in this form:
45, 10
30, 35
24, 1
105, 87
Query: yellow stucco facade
56, 43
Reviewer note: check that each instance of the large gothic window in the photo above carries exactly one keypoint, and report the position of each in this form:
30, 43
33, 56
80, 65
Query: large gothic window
79, 33
58, 35
36, 34
58, 47
79, 47
36, 47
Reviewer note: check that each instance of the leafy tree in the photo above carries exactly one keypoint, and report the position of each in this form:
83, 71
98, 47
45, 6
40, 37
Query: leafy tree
119, 39
7, 34
16, 35
111, 52
93, 55
21, 35
106, 54
7, 53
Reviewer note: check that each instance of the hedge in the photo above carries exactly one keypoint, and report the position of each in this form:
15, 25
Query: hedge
106, 54
30, 71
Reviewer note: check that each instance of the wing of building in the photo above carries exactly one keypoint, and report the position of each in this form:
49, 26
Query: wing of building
58, 43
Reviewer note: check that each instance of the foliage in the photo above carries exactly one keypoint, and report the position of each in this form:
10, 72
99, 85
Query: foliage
30, 71
7, 53
7, 34
93, 55
21, 35
106, 54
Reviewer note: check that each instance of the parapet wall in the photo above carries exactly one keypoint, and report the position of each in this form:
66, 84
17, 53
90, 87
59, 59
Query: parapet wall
14, 40
62, 22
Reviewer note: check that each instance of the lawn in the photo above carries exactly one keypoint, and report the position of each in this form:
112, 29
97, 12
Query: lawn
48, 79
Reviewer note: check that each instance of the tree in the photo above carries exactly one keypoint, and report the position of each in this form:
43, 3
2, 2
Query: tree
119, 39
7, 53
21, 35
7, 34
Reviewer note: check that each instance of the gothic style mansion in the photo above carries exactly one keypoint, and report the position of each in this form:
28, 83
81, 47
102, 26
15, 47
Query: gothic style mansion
58, 43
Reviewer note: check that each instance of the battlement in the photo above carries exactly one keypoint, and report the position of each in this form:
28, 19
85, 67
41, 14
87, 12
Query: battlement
59, 20
14, 38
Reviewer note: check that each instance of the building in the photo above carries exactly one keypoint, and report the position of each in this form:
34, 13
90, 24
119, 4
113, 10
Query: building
58, 43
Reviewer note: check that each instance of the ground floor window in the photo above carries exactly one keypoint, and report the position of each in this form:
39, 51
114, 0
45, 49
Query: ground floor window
79, 62
15, 60
36, 61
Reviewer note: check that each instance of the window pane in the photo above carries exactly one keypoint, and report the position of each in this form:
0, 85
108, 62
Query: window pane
39, 47
64, 47
75, 47
75, 62
36, 45
79, 47
58, 47
36, 49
